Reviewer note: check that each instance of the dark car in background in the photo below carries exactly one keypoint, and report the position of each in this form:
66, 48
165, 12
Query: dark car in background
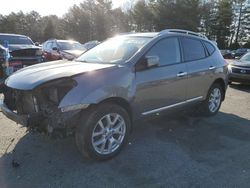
239, 71
227, 54
62, 49
240, 52
23, 52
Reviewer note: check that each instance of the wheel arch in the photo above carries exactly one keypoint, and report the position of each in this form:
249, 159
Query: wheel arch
121, 102
222, 83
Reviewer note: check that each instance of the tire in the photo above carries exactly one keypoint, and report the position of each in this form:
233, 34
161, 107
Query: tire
96, 138
212, 104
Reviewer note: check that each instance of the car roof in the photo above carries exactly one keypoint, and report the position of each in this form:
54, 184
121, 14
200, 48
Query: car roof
168, 32
148, 34
14, 35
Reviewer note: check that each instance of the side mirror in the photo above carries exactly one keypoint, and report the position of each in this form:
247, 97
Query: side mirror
237, 57
55, 48
152, 61
37, 44
147, 62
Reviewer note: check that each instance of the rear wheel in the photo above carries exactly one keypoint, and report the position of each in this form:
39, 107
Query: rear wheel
213, 101
103, 131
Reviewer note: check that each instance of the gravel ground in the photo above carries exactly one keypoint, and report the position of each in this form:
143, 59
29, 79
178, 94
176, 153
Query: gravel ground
178, 151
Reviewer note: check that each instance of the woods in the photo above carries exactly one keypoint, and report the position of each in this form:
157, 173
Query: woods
225, 21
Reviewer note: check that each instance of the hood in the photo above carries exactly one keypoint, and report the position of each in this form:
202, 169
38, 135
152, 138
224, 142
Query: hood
14, 47
75, 53
33, 76
241, 63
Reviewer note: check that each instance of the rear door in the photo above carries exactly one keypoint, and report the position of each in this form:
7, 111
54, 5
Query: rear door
199, 67
162, 87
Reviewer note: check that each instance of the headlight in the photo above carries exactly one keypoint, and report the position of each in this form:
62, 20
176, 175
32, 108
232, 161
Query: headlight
56, 90
229, 67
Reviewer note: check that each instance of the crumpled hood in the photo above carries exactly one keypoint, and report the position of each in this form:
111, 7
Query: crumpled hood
33, 76
241, 63
14, 47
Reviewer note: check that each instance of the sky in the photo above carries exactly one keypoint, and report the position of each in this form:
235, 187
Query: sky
43, 7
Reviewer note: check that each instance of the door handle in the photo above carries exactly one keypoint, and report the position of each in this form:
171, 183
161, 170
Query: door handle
211, 67
181, 74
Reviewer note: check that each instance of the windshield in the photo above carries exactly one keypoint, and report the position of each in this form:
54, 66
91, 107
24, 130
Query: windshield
70, 45
115, 50
15, 40
246, 57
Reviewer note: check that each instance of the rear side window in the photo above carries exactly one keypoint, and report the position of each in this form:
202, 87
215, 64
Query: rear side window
49, 46
54, 45
192, 49
167, 50
210, 48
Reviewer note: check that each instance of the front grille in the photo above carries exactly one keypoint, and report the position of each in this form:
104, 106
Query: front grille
20, 101
239, 70
24, 53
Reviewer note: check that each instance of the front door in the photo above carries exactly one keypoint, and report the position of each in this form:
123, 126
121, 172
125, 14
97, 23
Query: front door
162, 87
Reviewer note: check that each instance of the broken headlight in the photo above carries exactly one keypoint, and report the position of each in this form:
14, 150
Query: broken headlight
54, 91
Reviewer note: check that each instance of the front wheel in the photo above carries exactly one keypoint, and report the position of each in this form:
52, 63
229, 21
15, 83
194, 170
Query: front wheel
213, 101
103, 131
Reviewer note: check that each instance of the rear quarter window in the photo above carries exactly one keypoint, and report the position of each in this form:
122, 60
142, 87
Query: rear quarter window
210, 47
192, 49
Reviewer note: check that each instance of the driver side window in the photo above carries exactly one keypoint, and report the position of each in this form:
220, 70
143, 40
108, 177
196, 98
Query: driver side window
167, 50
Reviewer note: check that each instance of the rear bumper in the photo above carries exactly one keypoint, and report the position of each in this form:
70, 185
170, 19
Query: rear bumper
20, 119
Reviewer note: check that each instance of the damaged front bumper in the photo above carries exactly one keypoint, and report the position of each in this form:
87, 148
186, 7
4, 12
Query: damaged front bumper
20, 119
57, 120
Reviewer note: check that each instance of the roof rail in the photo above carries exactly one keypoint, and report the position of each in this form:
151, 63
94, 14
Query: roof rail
183, 32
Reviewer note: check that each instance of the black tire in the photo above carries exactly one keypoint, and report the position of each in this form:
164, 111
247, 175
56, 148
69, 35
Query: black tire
88, 123
204, 108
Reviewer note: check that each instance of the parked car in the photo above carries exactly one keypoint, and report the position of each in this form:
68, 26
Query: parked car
126, 78
91, 44
2, 62
239, 71
227, 54
22, 51
240, 52
62, 49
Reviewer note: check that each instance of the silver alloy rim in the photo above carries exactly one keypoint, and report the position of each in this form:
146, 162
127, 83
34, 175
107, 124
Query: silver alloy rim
214, 100
108, 133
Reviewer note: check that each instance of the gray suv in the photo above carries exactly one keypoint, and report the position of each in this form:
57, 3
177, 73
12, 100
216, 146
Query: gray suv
125, 78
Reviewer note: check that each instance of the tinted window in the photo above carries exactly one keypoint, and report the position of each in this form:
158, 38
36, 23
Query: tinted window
210, 48
167, 50
192, 49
